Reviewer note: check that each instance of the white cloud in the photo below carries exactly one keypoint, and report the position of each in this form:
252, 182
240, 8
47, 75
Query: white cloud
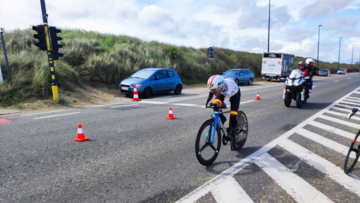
323, 7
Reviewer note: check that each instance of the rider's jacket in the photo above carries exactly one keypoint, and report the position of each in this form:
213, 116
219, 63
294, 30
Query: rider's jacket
229, 89
304, 72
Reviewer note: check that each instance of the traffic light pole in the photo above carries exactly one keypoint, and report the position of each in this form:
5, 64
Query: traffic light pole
55, 89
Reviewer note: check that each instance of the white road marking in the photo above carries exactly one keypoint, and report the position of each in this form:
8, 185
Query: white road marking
205, 188
230, 191
336, 81
339, 121
182, 99
332, 171
346, 106
341, 109
356, 92
332, 129
349, 78
247, 102
41, 113
351, 103
57, 115
122, 106
105, 105
346, 116
152, 102
355, 98
325, 142
295, 186
190, 105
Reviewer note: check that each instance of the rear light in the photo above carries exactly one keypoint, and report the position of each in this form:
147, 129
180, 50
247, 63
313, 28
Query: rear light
279, 77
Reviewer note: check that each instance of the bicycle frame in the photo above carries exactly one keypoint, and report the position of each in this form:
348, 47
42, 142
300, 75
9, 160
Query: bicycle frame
217, 119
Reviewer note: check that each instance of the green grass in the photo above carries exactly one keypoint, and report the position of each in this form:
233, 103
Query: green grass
94, 58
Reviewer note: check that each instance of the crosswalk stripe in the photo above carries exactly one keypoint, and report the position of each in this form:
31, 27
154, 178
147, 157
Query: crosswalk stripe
347, 111
344, 115
325, 142
355, 98
295, 186
332, 171
343, 105
230, 191
332, 129
352, 103
339, 121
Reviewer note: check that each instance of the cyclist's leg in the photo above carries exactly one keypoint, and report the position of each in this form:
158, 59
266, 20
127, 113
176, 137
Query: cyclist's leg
235, 105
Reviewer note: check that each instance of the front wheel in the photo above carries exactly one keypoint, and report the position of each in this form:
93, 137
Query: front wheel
287, 99
353, 155
250, 81
237, 82
242, 130
298, 100
208, 143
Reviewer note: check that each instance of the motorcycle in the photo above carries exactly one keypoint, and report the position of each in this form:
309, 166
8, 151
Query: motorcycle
296, 88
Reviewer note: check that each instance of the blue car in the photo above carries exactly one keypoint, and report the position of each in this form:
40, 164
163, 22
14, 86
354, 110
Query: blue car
240, 76
150, 81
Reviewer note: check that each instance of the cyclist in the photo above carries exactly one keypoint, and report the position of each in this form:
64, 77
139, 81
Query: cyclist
225, 90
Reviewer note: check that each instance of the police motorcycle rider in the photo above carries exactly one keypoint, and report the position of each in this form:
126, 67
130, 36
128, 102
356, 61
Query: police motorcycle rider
312, 71
225, 90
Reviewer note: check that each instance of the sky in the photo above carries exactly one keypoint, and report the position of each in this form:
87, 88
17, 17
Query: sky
240, 25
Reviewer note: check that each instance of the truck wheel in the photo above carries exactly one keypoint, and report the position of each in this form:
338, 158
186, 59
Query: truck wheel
298, 100
287, 99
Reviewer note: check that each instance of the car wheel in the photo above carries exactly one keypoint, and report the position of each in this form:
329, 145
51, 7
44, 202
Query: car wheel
178, 89
250, 81
237, 82
147, 92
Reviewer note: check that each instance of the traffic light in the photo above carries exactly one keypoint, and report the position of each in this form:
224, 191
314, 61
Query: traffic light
40, 36
54, 42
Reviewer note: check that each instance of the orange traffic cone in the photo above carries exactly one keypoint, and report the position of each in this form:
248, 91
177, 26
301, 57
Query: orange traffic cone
81, 136
171, 115
328, 74
258, 96
136, 96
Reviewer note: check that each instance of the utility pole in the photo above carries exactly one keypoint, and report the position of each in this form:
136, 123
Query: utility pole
352, 55
268, 50
339, 53
6, 59
317, 61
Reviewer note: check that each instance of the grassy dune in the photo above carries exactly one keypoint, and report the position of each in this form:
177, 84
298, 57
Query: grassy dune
94, 58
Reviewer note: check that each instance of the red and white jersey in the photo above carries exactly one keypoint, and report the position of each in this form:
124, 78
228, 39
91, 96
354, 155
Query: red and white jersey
229, 89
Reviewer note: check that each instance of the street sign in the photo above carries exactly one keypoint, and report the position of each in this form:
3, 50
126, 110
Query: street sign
210, 52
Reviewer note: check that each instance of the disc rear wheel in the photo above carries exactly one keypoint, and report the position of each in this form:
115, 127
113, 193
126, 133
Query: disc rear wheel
207, 147
242, 130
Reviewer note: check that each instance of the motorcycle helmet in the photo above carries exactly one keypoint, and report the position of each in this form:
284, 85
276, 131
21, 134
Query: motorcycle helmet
215, 82
309, 60
301, 63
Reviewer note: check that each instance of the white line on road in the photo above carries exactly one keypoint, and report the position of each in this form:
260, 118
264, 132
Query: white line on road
336, 81
230, 191
105, 104
332, 129
339, 121
295, 186
122, 106
41, 113
332, 171
190, 105
325, 142
57, 115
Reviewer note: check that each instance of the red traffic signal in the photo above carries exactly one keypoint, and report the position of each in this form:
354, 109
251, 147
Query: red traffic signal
40, 36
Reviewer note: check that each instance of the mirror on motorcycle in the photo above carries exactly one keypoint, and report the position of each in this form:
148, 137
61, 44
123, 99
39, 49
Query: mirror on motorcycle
306, 78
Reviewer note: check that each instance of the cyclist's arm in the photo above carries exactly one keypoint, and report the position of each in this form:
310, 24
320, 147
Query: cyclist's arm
209, 98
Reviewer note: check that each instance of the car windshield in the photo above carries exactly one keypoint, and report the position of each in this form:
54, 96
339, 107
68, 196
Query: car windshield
232, 72
144, 74
323, 70
341, 69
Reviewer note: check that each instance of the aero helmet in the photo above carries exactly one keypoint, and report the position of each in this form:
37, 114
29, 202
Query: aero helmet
215, 82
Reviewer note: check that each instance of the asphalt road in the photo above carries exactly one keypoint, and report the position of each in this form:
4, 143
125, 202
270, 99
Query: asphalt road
136, 155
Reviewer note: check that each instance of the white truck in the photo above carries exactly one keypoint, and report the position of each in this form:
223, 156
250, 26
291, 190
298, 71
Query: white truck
277, 66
